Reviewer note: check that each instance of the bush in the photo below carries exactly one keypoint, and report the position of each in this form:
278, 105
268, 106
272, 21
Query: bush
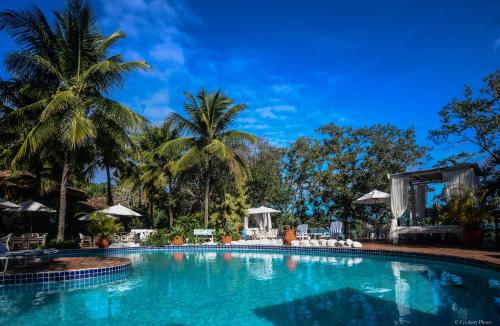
158, 238
103, 226
227, 215
187, 224
66, 244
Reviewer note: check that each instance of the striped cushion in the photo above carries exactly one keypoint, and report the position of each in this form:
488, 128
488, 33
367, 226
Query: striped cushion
336, 228
3, 248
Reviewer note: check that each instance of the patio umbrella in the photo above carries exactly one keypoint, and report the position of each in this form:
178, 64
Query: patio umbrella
374, 197
7, 204
119, 210
32, 207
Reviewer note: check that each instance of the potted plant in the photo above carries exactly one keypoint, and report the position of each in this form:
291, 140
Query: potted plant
177, 236
469, 209
103, 226
289, 231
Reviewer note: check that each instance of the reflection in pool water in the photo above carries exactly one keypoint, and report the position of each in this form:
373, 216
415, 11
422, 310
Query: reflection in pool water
257, 288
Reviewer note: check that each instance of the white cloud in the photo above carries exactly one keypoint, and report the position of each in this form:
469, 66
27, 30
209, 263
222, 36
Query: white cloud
156, 106
271, 112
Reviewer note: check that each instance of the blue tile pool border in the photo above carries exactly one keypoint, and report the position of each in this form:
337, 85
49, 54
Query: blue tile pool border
290, 249
56, 276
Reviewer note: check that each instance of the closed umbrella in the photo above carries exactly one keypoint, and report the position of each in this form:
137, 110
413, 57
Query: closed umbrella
262, 216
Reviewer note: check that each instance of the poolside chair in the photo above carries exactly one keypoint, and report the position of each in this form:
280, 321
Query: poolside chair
6, 240
18, 243
20, 255
272, 234
302, 232
85, 241
335, 229
128, 238
115, 238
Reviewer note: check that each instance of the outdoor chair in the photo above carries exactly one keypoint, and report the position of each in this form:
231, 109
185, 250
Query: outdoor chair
302, 232
36, 240
6, 240
18, 243
129, 238
204, 234
85, 241
7, 255
272, 234
335, 229
114, 238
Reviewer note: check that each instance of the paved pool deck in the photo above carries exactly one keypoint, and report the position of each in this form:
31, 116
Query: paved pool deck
490, 256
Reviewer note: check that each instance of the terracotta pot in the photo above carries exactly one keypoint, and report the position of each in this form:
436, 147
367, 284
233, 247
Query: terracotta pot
473, 238
226, 239
290, 236
102, 243
178, 240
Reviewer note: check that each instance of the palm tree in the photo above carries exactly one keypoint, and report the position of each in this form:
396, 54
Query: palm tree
209, 117
157, 172
67, 69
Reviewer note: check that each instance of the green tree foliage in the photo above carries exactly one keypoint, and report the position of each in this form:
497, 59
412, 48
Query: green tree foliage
208, 139
228, 215
473, 120
67, 70
266, 186
327, 175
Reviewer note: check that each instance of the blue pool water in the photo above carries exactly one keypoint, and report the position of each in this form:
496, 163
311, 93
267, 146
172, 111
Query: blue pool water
259, 288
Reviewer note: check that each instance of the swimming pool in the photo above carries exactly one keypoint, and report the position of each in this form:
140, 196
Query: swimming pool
262, 288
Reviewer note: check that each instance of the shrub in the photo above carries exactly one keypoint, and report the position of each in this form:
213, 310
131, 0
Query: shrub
158, 238
187, 224
228, 214
103, 226
66, 244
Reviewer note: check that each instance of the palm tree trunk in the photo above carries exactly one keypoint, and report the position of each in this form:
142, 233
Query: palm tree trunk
108, 181
62, 199
170, 216
206, 199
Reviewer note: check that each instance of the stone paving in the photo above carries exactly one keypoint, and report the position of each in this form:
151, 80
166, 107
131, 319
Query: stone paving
67, 264
490, 256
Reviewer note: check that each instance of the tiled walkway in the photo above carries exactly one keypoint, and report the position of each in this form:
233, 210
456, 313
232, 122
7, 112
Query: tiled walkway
68, 264
490, 256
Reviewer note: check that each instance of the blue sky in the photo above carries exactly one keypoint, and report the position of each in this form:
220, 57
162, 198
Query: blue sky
301, 64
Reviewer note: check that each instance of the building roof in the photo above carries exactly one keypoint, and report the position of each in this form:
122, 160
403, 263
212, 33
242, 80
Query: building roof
436, 174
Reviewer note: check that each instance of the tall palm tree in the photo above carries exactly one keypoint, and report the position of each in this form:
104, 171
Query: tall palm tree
157, 172
209, 117
66, 67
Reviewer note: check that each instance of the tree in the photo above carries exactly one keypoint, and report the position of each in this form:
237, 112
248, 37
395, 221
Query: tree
157, 171
67, 69
266, 186
209, 139
473, 120
327, 175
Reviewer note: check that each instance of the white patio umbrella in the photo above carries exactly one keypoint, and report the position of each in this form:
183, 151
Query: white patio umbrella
31, 207
374, 197
262, 216
87, 217
119, 210
7, 204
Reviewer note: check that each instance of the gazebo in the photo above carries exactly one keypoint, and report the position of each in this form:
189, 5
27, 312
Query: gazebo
262, 215
409, 192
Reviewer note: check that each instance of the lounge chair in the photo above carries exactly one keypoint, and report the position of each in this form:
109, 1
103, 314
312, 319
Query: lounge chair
302, 232
272, 234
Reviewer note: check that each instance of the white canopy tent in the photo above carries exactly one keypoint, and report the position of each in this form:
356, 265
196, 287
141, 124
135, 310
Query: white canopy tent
7, 204
374, 197
262, 215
